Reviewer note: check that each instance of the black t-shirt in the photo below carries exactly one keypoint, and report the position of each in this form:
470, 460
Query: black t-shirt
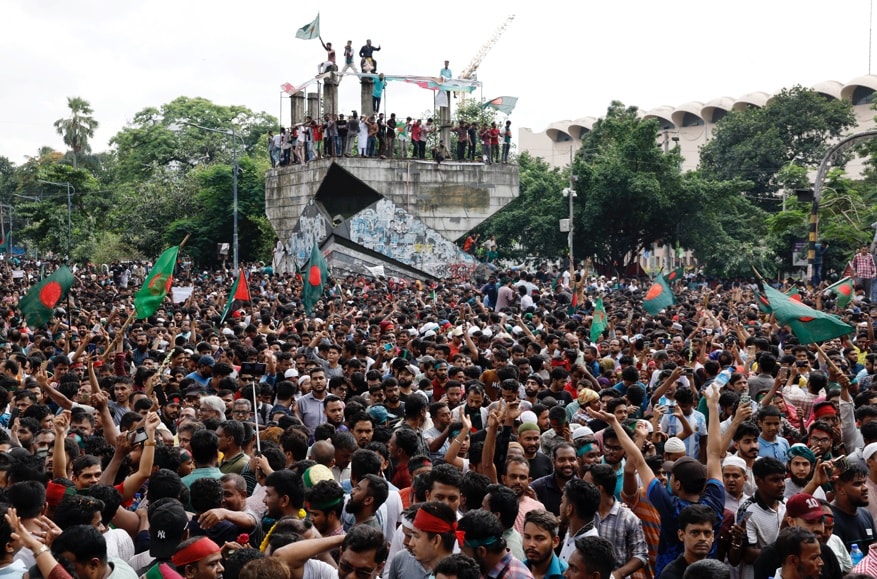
540, 465
563, 396
676, 569
858, 528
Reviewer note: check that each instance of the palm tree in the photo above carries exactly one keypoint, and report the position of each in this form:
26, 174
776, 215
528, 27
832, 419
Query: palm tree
77, 129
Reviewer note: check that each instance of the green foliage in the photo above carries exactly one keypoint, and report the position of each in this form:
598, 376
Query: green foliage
755, 144
529, 224
627, 188
105, 248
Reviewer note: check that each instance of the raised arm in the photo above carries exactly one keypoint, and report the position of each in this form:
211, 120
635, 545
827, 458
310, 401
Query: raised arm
714, 450
631, 450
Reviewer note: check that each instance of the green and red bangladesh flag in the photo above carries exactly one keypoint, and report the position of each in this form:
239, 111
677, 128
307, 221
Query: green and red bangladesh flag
672, 277
240, 292
38, 306
317, 273
157, 284
598, 321
659, 296
844, 290
807, 324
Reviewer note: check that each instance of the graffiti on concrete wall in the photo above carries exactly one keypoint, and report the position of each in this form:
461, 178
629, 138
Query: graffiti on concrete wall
390, 230
313, 227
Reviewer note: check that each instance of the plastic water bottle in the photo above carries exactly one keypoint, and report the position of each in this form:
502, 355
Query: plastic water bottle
856, 554
723, 378
136, 502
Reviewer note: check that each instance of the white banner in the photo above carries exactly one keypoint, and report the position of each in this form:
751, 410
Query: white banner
181, 294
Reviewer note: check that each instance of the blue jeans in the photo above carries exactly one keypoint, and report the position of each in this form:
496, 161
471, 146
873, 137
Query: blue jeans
370, 147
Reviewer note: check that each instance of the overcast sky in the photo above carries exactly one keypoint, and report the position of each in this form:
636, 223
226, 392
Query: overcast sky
564, 60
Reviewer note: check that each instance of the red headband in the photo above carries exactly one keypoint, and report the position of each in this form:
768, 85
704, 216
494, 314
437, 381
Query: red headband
194, 552
826, 410
430, 523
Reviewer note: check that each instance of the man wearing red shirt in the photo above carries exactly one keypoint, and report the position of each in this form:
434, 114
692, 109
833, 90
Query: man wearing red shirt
494, 142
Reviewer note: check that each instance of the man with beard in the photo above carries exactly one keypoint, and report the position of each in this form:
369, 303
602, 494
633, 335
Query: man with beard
540, 541
366, 498
325, 502
483, 542
170, 412
432, 539
415, 418
852, 521
532, 387
231, 441
309, 407
441, 379
801, 466
761, 512
363, 427
549, 488
453, 394
141, 349
437, 435
821, 440
284, 495
696, 533
734, 477
799, 553
530, 438
403, 374
333, 407
746, 443
392, 402
517, 478
803, 511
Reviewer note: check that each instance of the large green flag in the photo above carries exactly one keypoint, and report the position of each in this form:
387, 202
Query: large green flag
157, 284
317, 274
844, 290
38, 305
309, 31
807, 324
763, 303
598, 321
658, 297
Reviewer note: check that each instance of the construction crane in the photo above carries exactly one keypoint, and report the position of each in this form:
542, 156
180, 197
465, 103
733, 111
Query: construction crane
469, 72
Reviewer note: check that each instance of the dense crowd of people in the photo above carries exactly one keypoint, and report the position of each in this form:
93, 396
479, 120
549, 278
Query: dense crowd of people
459, 429
378, 137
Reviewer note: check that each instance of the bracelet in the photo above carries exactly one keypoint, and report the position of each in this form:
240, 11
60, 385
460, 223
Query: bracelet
41, 551
148, 443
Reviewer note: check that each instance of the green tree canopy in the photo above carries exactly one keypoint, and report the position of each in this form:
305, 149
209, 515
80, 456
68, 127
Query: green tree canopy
756, 143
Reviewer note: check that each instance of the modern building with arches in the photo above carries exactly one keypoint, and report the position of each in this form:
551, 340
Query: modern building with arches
690, 125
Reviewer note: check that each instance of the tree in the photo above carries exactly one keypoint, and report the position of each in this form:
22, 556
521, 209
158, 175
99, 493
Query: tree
528, 225
756, 143
627, 188
160, 137
78, 128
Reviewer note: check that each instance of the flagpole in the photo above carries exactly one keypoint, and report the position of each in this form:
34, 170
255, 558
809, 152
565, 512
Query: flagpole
256, 418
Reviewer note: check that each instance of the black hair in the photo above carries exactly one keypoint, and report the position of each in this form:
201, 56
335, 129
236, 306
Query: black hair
406, 439
288, 483
234, 429
583, 496
695, 515
446, 474
364, 462
83, 541
604, 477
459, 566
205, 446
600, 556
766, 466
363, 538
790, 541
76, 510
28, 498
235, 561
377, 489
503, 500
164, 483
322, 496
480, 525
206, 494
746, 429
111, 499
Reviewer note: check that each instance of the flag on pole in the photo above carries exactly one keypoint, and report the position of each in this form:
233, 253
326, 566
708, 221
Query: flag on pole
38, 305
658, 297
503, 104
807, 324
287, 88
239, 292
309, 31
157, 284
317, 274
598, 322
844, 291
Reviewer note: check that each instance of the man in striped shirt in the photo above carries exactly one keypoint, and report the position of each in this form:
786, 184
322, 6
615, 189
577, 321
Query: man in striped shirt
865, 270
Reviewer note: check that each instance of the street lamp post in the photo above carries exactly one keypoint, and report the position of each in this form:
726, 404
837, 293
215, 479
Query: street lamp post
69, 206
234, 179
